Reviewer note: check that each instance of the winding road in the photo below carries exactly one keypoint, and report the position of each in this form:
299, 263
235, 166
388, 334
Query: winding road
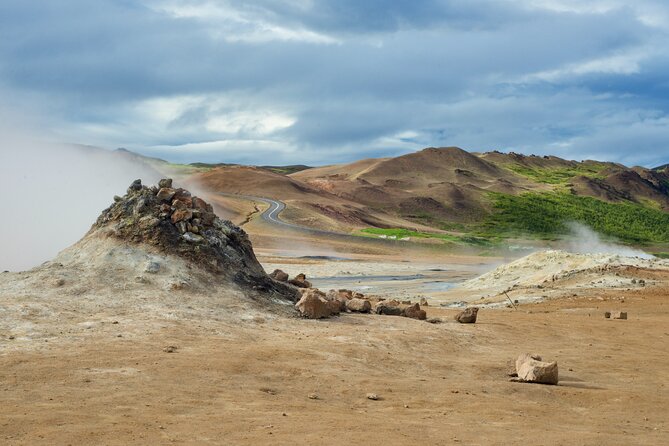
275, 207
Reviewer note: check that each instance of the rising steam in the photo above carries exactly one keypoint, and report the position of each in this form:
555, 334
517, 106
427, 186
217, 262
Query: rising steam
53, 193
586, 241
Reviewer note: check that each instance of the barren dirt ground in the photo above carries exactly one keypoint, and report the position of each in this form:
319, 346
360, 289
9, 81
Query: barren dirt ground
249, 382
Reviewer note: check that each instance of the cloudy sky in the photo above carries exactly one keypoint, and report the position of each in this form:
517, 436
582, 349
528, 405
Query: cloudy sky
323, 81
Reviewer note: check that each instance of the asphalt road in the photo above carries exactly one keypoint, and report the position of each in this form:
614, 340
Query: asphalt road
272, 216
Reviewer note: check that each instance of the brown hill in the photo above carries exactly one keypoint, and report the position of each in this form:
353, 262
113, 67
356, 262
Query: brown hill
431, 188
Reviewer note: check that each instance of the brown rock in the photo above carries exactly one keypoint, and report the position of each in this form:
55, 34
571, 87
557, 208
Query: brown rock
530, 368
358, 305
415, 312
334, 306
182, 216
619, 315
165, 194
279, 275
388, 309
346, 294
313, 305
165, 183
183, 194
468, 316
423, 302
199, 203
300, 281
180, 205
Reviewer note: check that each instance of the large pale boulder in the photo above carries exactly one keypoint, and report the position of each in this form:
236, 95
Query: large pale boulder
530, 368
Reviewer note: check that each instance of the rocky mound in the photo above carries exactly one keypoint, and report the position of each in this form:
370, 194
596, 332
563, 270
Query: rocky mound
180, 224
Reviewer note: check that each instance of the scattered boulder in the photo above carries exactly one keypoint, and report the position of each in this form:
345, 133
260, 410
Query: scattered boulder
372, 396
468, 316
423, 302
607, 314
279, 275
619, 315
346, 294
300, 281
434, 320
313, 305
388, 308
531, 368
415, 312
358, 305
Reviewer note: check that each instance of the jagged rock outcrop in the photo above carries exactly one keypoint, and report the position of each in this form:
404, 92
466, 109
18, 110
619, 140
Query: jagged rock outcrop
178, 223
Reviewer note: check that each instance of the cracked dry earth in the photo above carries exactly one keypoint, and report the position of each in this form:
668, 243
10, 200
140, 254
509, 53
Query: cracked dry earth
241, 375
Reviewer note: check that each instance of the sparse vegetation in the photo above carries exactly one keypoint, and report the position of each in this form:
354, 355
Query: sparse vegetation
546, 215
556, 175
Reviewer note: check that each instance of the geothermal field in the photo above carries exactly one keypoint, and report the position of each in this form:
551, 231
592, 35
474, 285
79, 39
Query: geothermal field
165, 324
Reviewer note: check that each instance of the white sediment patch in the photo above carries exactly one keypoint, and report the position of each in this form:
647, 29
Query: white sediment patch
546, 267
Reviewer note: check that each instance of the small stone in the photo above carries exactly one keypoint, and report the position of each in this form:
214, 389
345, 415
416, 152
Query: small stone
135, 186
434, 320
423, 302
165, 183
182, 215
152, 267
165, 194
300, 281
607, 314
170, 349
117, 198
313, 396
11, 337
181, 226
468, 316
372, 396
199, 203
619, 315
279, 275
59, 283
193, 238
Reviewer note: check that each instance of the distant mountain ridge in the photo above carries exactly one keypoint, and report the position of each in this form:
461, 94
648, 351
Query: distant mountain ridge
451, 190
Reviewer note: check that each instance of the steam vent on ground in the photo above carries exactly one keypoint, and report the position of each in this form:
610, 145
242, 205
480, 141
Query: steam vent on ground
178, 223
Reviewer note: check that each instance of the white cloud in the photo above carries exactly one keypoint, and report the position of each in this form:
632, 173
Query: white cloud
625, 63
235, 25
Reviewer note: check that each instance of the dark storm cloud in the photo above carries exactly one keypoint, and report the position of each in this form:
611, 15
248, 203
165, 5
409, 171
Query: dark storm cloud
329, 81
